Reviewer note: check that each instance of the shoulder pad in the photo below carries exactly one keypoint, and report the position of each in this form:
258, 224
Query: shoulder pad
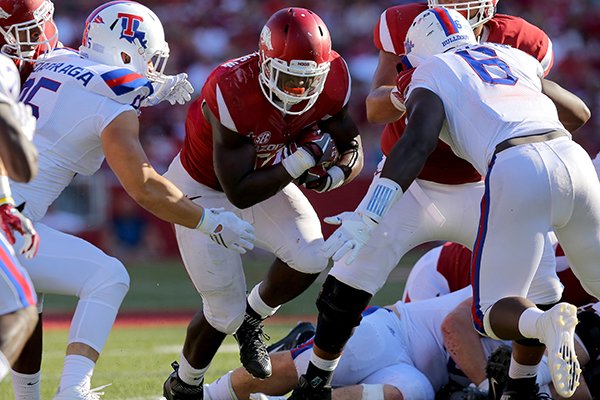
121, 85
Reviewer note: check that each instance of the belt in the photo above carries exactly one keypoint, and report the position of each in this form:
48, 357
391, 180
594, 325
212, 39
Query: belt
519, 140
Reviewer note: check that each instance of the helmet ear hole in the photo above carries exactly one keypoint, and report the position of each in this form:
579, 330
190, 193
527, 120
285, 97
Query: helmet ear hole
125, 57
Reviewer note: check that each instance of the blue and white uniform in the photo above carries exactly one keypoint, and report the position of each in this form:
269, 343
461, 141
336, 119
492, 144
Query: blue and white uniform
492, 93
75, 99
400, 346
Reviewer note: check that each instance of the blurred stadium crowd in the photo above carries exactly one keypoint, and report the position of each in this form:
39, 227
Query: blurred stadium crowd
204, 33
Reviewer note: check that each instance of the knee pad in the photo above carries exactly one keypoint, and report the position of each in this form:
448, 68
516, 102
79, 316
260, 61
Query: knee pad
110, 280
309, 259
228, 324
340, 307
224, 310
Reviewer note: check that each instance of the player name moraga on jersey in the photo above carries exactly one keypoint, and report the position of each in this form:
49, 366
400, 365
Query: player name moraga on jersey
120, 84
79, 73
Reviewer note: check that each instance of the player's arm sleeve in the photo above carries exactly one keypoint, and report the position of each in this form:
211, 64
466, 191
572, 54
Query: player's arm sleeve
424, 76
108, 111
547, 60
383, 38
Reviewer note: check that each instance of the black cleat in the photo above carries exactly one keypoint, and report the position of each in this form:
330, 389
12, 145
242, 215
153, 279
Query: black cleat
175, 389
305, 391
299, 334
530, 395
253, 351
496, 371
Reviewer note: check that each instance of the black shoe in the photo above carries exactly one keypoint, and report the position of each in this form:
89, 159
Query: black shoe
175, 389
469, 393
304, 391
299, 334
496, 371
253, 351
529, 395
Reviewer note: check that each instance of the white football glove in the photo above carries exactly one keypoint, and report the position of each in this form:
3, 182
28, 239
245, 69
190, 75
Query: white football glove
174, 89
353, 234
227, 229
23, 114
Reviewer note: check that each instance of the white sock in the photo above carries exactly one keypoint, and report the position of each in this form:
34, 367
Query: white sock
258, 305
528, 322
189, 374
4, 366
220, 389
322, 364
519, 371
77, 371
26, 386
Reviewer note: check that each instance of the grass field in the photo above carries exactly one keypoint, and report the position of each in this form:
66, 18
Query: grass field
137, 360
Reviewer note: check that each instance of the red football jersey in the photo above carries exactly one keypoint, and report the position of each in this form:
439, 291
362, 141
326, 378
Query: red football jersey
442, 165
233, 94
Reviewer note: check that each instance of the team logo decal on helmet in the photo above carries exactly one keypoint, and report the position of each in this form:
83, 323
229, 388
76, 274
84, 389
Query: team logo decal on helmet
265, 38
3, 14
130, 28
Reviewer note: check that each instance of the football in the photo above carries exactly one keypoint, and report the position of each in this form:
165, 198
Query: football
313, 134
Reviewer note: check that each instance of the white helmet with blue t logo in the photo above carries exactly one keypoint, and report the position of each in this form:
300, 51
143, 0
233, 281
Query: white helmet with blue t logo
129, 35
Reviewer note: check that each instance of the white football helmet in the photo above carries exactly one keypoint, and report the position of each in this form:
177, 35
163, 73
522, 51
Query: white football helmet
486, 9
129, 35
436, 31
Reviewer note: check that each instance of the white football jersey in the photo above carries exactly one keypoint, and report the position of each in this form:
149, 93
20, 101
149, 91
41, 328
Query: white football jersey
74, 99
491, 92
10, 82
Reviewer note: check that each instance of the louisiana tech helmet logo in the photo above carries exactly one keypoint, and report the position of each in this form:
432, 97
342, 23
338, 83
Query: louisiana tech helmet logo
130, 28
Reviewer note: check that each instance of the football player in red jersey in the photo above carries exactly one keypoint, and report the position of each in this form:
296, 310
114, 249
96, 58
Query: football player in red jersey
286, 102
442, 204
27, 30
